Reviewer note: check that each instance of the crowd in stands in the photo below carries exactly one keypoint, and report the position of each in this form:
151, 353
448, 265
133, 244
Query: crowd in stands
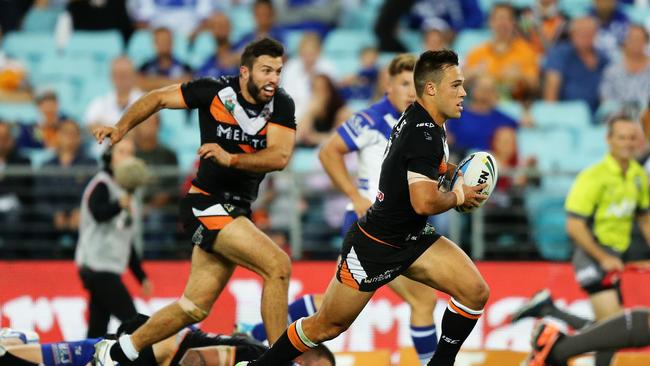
520, 59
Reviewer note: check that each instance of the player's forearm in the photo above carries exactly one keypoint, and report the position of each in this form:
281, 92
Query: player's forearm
335, 167
435, 204
142, 109
263, 161
583, 238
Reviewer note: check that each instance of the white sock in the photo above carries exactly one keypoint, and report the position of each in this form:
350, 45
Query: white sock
128, 348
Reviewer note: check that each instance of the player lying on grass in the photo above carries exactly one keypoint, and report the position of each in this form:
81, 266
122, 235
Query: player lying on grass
190, 347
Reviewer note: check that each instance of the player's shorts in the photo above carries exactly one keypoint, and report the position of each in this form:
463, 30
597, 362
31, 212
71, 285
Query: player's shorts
203, 216
367, 263
591, 277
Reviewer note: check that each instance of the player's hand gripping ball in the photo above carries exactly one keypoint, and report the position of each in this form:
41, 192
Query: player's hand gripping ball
478, 168
131, 174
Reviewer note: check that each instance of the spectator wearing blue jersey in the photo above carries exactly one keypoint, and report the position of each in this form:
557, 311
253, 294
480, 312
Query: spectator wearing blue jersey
264, 15
164, 69
574, 70
613, 24
474, 130
225, 60
459, 14
363, 83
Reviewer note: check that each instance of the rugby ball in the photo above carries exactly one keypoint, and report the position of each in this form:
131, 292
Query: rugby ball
478, 168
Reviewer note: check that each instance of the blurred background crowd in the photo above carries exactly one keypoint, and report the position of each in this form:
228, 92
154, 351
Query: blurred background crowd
543, 77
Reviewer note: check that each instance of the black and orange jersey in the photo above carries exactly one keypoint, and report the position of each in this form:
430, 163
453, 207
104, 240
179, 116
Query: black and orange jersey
238, 126
416, 144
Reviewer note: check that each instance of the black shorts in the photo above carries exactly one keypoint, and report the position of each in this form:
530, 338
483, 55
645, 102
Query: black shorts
367, 263
591, 277
203, 216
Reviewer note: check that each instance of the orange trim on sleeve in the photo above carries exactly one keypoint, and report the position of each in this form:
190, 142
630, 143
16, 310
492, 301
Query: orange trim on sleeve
180, 91
462, 312
220, 113
215, 222
346, 277
375, 239
285, 127
295, 339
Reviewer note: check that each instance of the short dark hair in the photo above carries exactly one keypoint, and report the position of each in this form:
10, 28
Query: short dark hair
503, 5
615, 119
321, 351
261, 47
430, 65
263, 2
401, 62
45, 96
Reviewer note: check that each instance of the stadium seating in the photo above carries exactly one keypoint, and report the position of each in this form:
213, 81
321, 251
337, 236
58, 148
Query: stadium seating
468, 39
30, 47
18, 112
41, 19
203, 47
101, 46
347, 42
574, 114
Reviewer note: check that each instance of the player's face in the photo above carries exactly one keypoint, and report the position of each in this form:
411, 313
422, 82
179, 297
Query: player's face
264, 78
450, 93
623, 140
401, 90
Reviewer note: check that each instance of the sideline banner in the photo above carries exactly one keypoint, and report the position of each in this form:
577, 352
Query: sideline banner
47, 296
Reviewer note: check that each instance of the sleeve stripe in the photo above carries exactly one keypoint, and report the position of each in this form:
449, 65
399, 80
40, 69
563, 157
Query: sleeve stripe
577, 215
343, 132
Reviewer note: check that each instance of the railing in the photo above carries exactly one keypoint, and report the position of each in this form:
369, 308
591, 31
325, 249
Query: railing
299, 209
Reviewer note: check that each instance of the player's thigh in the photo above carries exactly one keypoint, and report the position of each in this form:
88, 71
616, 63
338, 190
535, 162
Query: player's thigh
209, 274
605, 303
246, 245
413, 292
341, 306
444, 266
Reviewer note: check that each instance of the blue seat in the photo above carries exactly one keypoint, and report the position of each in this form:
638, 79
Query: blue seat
41, 19
512, 109
535, 142
467, 39
203, 47
548, 220
242, 21
360, 17
574, 8
412, 40
18, 112
346, 65
347, 42
569, 114
30, 47
100, 45
292, 39
304, 160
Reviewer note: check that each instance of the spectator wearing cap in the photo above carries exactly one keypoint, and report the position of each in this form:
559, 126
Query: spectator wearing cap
43, 133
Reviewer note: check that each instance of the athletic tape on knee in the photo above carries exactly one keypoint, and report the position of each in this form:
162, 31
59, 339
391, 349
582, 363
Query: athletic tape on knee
193, 311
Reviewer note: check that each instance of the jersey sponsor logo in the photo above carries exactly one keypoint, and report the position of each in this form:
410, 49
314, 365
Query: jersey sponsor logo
621, 209
449, 340
380, 196
197, 238
234, 133
387, 275
62, 355
426, 124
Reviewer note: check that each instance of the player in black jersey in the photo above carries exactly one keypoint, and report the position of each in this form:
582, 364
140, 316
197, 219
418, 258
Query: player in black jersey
247, 127
393, 237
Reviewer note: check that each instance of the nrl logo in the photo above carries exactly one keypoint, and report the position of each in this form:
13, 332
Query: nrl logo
230, 105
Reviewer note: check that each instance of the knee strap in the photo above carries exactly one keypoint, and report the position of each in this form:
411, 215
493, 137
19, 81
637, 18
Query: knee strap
196, 313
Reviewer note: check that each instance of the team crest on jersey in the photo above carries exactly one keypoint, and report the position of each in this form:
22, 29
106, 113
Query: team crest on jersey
229, 104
